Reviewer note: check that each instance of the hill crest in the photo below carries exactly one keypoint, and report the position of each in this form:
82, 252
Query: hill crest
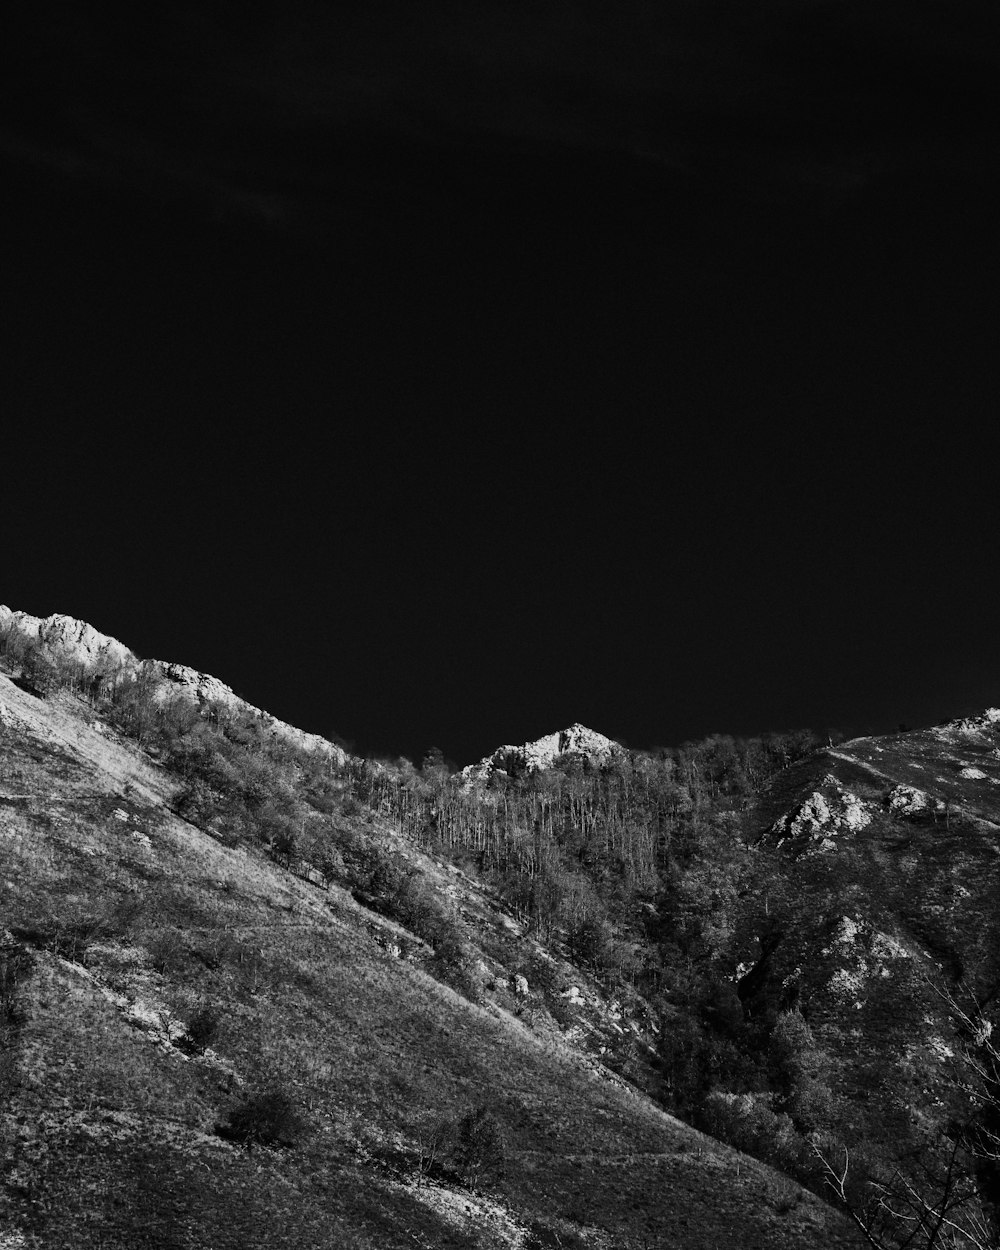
542, 753
68, 639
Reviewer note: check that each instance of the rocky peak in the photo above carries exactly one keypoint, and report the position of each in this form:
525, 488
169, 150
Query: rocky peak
544, 751
68, 637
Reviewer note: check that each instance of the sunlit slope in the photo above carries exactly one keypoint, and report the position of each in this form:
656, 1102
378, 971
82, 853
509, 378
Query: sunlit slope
126, 921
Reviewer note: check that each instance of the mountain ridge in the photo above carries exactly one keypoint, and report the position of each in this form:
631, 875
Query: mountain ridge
72, 639
132, 912
791, 943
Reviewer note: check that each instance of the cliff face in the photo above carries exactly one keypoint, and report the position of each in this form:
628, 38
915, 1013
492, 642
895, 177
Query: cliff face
67, 638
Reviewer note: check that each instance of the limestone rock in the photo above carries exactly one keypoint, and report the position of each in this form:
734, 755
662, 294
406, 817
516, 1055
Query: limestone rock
860, 954
543, 752
907, 800
982, 727
207, 690
68, 638
821, 817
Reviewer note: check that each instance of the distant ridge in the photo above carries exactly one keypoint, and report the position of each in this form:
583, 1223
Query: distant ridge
72, 639
543, 752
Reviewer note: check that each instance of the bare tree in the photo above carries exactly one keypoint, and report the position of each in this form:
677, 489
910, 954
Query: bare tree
939, 1207
935, 1200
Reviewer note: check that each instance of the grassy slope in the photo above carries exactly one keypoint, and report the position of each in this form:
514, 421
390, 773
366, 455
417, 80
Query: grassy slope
108, 1139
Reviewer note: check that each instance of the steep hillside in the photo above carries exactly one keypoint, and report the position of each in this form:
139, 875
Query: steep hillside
204, 1047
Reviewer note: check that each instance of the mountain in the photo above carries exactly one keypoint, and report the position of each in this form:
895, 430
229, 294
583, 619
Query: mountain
577, 741
241, 1004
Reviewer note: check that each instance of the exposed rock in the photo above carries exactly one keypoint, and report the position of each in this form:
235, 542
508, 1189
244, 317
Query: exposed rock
207, 691
971, 773
543, 752
68, 637
983, 726
520, 984
907, 800
862, 954
821, 816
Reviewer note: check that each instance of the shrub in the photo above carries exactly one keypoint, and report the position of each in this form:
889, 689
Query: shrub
216, 948
166, 951
72, 940
202, 1028
136, 706
472, 1148
460, 977
331, 865
267, 1117
124, 916
562, 1011
198, 802
747, 1122
283, 845
481, 1147
541, 974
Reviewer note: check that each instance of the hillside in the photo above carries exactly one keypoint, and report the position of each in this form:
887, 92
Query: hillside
889, 853
279, 1021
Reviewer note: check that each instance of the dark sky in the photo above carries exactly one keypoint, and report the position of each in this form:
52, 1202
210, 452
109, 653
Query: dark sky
442, 374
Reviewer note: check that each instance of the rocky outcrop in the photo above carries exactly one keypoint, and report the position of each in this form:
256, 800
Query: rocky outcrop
820, 817
543, 752
984, 726
860, 954
907, 801
208, 691
67, 638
